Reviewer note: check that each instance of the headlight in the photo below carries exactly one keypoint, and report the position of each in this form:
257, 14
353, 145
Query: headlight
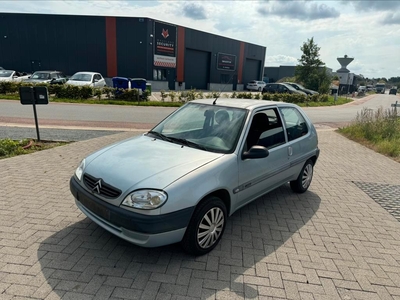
79, 170
145, 199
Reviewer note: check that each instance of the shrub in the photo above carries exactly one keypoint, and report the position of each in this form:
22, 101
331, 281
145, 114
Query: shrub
163, 95
8, 87
191, 95
8, 147
172, 95
130, 95
244, 95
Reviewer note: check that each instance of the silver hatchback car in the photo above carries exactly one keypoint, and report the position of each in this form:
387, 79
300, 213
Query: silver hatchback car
180, 181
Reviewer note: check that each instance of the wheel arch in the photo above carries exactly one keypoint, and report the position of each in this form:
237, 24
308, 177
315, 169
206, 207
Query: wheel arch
223, 194
313, 159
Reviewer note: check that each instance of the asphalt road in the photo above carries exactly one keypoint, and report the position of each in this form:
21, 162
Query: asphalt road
74, 122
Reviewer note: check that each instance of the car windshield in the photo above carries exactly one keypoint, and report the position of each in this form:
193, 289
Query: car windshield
208, 127
300, 86
5, 73
81, 77
40, 75
290, 87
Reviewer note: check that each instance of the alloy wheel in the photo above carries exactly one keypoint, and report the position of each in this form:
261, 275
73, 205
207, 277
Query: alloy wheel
307, 176
210, 227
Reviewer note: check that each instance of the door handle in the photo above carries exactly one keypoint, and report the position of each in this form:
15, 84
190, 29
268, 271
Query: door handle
290, 151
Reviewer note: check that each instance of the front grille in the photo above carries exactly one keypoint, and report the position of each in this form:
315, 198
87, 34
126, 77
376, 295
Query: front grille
104, 189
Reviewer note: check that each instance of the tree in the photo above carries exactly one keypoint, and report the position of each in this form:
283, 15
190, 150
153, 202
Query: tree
311, 71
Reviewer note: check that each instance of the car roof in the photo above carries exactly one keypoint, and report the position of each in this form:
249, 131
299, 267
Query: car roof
44, 71
85, 72
240, 103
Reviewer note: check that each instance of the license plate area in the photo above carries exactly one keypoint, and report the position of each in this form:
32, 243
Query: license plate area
94, 207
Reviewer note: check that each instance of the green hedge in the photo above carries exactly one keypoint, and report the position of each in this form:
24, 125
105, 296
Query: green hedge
67, 91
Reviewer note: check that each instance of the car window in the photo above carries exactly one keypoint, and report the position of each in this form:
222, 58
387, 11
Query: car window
40, 75
5, 73
282, 88
81, 77
53, 75
274, 135
296, 125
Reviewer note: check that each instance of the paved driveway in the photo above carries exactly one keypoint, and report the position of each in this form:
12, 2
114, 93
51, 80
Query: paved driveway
333, 242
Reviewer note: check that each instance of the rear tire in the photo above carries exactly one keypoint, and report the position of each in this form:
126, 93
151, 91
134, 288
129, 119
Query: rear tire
206, 227
303, 181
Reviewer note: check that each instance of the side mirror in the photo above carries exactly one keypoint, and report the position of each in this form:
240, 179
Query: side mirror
256, 152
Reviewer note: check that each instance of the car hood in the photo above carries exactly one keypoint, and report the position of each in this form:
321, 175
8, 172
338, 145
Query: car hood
311, 92
145, 162
79, 83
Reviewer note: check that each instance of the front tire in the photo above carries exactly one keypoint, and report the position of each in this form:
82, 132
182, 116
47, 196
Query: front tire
303, 181
206, 227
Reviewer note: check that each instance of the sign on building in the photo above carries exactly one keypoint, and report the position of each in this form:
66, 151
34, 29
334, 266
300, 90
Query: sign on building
226, 62
165, 45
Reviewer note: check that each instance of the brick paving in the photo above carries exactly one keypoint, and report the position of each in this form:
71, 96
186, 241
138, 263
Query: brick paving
333, 242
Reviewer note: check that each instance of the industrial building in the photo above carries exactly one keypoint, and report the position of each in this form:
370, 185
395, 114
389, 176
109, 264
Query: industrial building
170, 56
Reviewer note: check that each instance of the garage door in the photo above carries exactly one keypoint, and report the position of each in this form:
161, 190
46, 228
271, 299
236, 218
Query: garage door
251, 70
197, 69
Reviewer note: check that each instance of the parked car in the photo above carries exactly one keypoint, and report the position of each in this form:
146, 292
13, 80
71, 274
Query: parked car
87, 78
393, 90
281, 88
362, 89
181, 180
11, 75
53, 77
299, 87
255, 85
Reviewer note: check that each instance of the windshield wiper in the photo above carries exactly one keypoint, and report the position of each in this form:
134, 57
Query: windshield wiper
188, 143
179, 140
159, 135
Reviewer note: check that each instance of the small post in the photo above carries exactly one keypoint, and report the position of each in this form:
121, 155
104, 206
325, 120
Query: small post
36, 120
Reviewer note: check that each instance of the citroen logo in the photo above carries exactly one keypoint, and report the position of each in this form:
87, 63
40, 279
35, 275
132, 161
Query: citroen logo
97, 187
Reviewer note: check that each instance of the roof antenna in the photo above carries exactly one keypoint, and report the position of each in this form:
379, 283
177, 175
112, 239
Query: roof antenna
223, 88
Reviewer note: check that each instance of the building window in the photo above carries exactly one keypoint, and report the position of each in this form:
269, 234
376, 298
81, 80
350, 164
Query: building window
159, 74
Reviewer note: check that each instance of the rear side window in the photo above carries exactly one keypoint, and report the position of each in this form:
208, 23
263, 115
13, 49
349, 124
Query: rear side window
296, 125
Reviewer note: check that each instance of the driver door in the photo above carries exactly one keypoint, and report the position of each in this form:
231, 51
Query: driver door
258, 176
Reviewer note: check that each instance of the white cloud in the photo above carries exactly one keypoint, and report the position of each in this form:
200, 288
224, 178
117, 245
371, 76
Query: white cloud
369, 33
278, 60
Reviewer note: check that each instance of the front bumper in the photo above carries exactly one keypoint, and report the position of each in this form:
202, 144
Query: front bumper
143, 230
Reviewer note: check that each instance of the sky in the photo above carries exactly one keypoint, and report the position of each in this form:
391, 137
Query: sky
368, 31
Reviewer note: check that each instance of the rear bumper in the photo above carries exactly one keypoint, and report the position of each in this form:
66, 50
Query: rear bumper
142, 230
